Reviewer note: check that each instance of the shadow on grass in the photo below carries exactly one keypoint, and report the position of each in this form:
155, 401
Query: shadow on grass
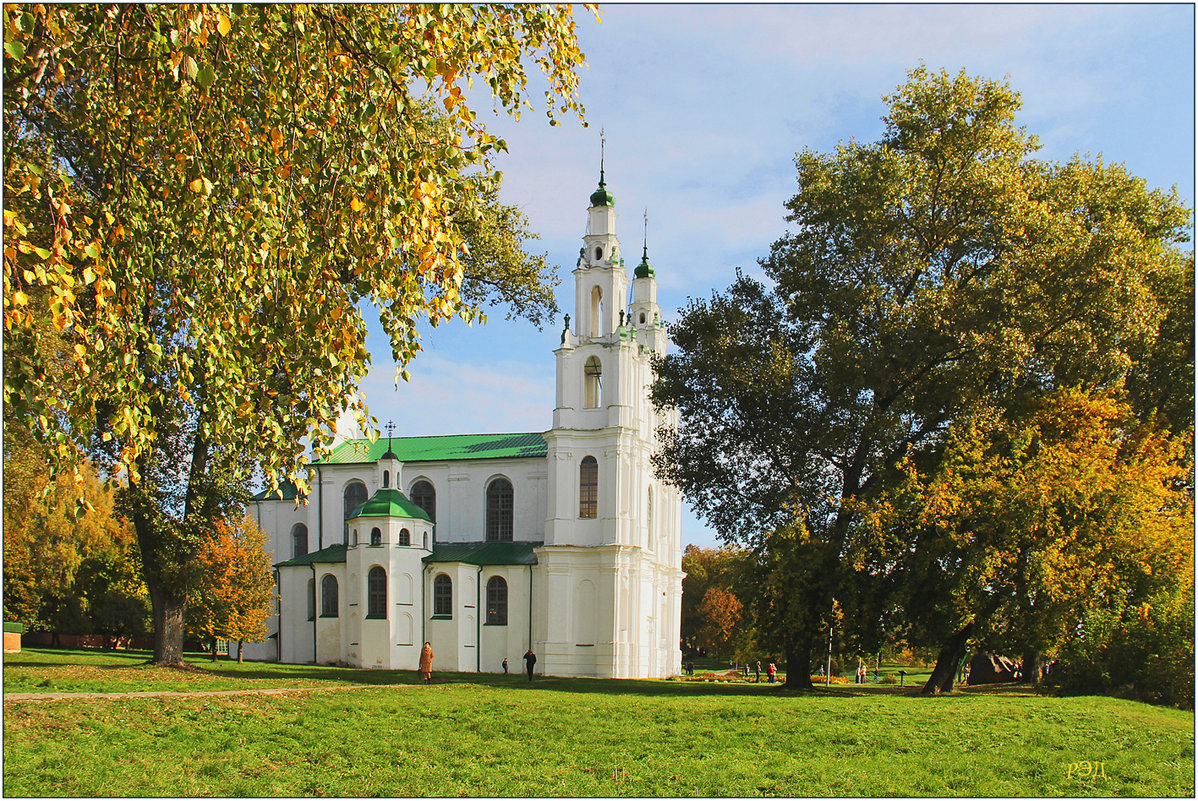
275, 674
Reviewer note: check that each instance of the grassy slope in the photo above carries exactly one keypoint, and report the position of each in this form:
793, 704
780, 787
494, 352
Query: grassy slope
584, 737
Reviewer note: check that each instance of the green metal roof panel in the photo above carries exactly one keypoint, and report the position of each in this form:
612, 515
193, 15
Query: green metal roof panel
390, 503
286, 493
453, 447
332, 554
484, 553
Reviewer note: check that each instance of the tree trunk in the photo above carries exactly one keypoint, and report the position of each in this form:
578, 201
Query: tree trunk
168, 625
945, 672
798, 666
1033, 667
212, 642
239, 652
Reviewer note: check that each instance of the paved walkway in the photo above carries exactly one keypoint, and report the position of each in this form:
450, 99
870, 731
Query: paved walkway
9, 697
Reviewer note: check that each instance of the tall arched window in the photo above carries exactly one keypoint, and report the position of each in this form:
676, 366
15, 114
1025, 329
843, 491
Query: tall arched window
299, 540
376, 536
443, 596
424, 496
596, 312
588, 488
405, 537
376, 592
592, 383
496, 601
649, 516
355, 496
499, 511
386, 479
311, 599
328, 596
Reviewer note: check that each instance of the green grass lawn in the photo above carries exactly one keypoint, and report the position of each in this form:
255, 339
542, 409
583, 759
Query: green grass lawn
497, 735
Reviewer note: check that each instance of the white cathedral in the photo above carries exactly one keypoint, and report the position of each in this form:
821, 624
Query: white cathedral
489, 545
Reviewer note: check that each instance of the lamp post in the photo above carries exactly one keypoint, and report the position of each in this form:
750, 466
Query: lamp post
831, 629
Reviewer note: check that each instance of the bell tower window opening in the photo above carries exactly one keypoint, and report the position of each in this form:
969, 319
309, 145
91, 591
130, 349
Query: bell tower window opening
386, 479
598, 253
596, 311
588, 488
592, 383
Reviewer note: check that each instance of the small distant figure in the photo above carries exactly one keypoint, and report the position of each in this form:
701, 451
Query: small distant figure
771, 672
530, 659
426, 662
821, 671
505, 664
757, 671
861, 673
690, 668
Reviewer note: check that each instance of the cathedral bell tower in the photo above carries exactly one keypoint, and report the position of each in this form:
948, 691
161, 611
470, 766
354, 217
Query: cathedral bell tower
612, 552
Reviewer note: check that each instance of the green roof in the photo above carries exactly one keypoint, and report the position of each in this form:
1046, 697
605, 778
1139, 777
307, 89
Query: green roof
484, 553
445, 448
390, 503
14, 627
286, 492
331, 554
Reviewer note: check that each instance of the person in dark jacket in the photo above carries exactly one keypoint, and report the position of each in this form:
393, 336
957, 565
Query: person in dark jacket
530, 659
505, 664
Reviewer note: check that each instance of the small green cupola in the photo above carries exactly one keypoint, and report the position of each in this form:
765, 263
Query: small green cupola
390, 503
644, 269
601, 197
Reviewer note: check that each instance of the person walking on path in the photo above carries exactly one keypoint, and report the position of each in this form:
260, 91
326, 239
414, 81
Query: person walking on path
757, 671
505, 665
770, 672
530, 659
426, 662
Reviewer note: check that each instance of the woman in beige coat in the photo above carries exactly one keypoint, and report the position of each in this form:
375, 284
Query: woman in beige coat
426, 662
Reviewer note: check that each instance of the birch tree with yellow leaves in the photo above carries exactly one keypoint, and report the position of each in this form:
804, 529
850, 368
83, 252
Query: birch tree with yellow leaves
201, 200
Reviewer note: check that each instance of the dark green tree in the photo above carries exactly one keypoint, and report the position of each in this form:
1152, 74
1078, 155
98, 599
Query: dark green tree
937, 269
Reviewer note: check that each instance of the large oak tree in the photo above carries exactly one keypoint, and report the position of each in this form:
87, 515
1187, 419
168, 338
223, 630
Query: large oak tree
934, 270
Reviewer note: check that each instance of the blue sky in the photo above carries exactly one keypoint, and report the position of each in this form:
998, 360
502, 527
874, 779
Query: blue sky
704, 108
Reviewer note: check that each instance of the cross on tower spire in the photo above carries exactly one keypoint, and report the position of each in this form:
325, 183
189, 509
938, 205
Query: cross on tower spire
602, 146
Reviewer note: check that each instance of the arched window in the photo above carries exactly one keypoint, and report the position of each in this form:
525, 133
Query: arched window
355, 496
355, 536
596, 312
499, 511
299, 540
649, 516
376, 536
376, 592
426, 540
328, 596
387, 476
311, 599
424, 496
642, 318
588, 488
592, 383
598, 252
405, 537
496, 601
443, 596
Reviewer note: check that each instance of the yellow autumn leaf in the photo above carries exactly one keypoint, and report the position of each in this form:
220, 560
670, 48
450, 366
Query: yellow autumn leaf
223, 24
197, 185
356, 204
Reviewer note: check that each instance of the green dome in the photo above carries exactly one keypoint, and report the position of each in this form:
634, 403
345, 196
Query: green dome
390, 503
601, 197
644, 269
